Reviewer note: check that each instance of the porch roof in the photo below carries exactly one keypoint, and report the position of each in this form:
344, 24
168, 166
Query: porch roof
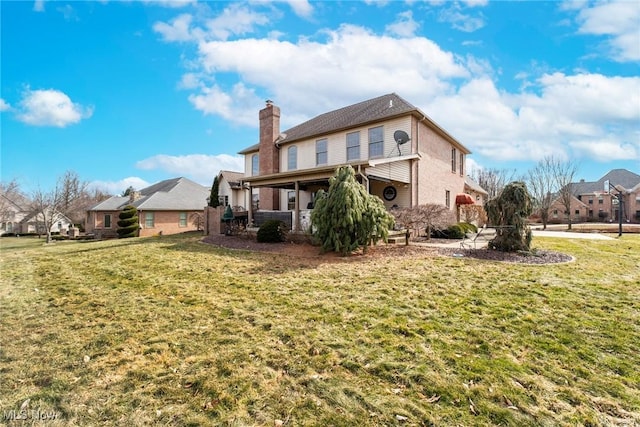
305, 176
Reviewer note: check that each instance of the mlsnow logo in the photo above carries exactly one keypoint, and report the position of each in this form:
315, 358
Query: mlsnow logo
25, 413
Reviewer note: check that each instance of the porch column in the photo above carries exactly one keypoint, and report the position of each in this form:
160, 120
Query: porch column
250, 207
296, 208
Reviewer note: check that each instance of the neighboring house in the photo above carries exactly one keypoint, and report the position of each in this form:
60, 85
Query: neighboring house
598, 200
477, 193
398, 153
168, 207
600, 197
230, 189
558, 213
19, 218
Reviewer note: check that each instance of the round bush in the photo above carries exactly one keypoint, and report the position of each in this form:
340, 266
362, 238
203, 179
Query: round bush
272, 231
455, 231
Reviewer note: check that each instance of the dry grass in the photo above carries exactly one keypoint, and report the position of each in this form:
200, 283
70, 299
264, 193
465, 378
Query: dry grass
170, 331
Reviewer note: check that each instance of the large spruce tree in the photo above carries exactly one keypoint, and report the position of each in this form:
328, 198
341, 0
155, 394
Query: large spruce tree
347, 217
128, 222
509, 212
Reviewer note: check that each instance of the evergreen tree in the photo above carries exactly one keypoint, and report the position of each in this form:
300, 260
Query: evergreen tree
214, 200
128, 222
347, 217
509, 212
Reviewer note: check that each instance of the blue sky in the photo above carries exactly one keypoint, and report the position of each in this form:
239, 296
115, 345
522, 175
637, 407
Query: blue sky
133, 92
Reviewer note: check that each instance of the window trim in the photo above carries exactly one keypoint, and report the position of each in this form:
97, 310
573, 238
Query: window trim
291, 200
454, 154
356, 146
324, 141
104, 220
149, 215
183, 222
376, 143
255, 165
292, 158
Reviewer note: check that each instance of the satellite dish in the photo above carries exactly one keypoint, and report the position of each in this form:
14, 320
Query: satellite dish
401, 137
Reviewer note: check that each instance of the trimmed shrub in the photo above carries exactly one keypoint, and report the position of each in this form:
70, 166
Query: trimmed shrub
128, 222
272, 231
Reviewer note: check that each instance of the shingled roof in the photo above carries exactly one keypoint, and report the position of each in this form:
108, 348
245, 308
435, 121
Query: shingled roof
617, 177
169, 195
362, 113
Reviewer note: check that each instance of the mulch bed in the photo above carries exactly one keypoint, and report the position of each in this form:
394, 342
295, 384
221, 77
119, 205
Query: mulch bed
307, 250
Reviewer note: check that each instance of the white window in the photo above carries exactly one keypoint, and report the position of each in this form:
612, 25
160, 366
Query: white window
321, 152
353, 146
447, 198
183, 219
461, 164
292, 158
255, 165
376, 142
453, 160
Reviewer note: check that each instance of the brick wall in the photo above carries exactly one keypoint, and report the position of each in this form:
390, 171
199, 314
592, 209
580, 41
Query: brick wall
269, 153
167, 222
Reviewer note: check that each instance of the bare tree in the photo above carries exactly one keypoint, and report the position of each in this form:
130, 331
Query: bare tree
542, 185
74, 195
493, 180
424, 218
51, 206
563, 175
9, 195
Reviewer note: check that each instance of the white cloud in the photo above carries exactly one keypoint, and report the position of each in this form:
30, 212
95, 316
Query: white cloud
118, 187
404, 26
173, 4
199, 167
4, 106
461, 21
237, 19
236, 106
342, 66
606, 150
620, 20
301, 8
178, 30
38, 6
50, 107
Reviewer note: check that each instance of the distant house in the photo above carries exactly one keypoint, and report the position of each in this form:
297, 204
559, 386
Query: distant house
399, 154
168, 207
477, 193
230, 189
597, 200
17, 217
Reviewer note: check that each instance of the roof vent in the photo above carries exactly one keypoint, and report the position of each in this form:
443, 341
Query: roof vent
391, 103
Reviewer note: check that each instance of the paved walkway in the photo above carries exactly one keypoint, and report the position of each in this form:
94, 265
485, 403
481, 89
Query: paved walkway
489, 234
570, 235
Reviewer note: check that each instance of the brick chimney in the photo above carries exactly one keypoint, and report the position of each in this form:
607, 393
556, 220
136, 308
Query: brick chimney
269, 153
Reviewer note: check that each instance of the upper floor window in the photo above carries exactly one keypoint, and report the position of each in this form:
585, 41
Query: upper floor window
255, 165
292, 158
453, 160
321, 152
461, 164
353, 146
376, 142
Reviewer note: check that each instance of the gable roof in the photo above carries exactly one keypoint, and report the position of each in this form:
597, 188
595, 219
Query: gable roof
376, 109
617, 177
231, 176
168, 195
474, 186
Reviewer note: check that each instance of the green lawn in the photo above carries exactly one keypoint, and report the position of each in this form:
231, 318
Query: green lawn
170, 331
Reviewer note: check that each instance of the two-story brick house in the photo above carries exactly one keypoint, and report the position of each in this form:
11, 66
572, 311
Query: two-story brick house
398, 153
597, 201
